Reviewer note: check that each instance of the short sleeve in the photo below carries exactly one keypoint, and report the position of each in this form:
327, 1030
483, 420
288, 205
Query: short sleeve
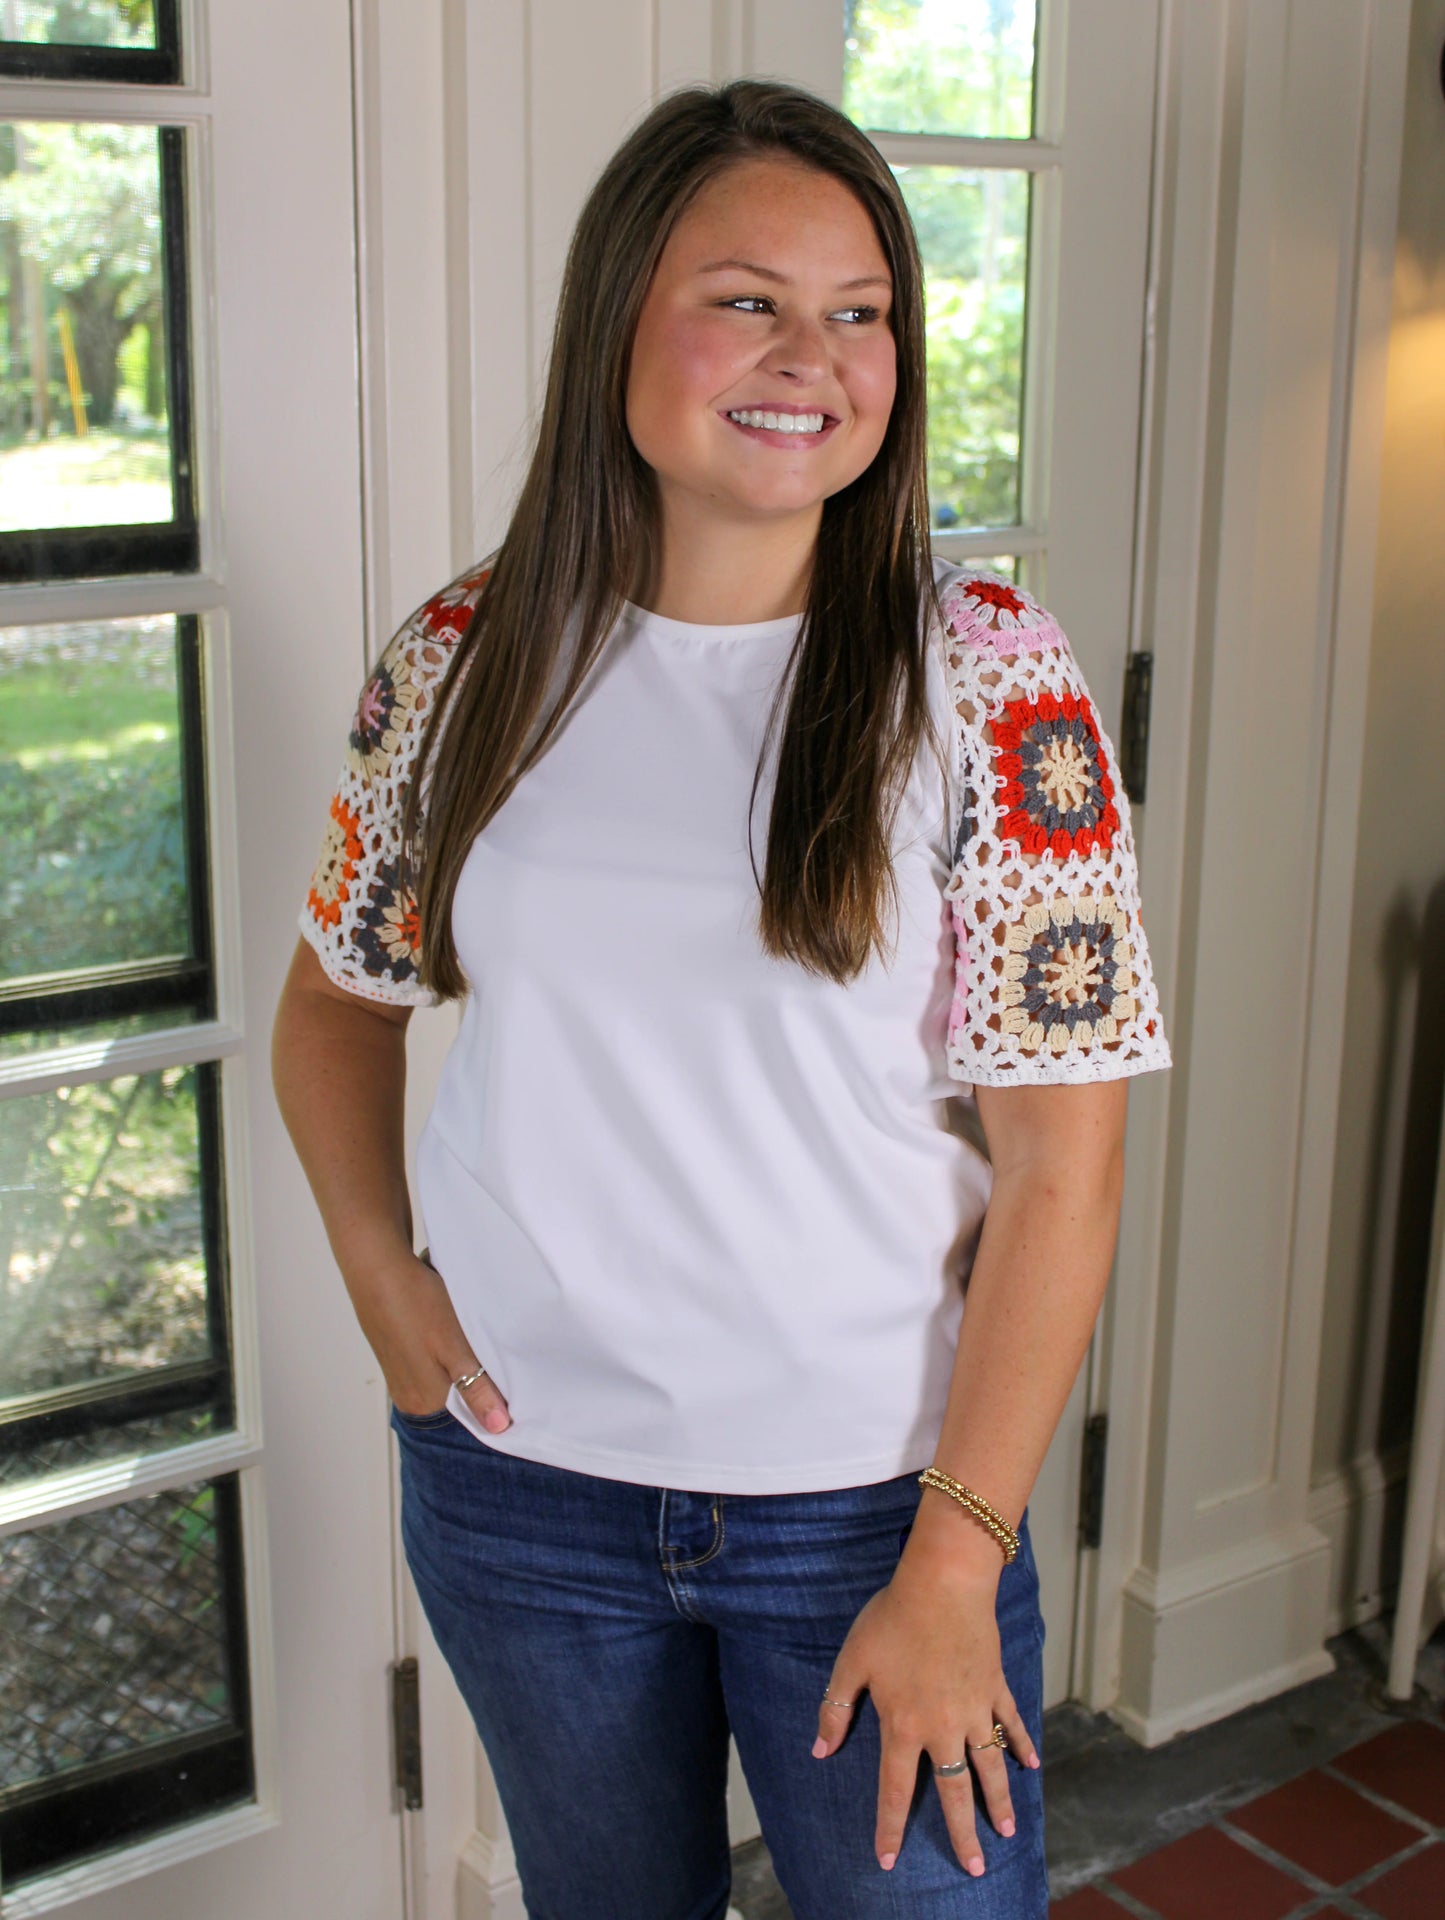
1053, 982
360, 914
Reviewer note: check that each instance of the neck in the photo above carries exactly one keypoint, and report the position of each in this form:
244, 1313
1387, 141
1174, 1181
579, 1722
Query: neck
720, 572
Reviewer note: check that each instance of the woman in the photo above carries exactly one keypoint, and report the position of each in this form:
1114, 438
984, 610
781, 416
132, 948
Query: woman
756, 841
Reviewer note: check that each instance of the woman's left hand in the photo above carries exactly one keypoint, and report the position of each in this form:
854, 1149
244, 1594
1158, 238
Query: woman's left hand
926, 1648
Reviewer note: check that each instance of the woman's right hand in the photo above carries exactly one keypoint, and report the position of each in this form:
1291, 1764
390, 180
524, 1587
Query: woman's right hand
412, 1327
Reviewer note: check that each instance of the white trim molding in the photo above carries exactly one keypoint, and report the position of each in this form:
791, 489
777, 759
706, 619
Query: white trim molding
1274, 232
1184, 1632
1360, 1509
487, 1884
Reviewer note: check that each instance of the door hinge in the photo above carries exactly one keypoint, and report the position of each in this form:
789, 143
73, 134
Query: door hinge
1091, 1480
1134, 729
406, 1732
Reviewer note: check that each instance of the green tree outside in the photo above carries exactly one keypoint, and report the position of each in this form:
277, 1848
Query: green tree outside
961, 67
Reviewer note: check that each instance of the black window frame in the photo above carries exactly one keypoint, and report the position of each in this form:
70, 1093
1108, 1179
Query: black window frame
52, 554
159, 65
65, 1412
185, 983
69, 1817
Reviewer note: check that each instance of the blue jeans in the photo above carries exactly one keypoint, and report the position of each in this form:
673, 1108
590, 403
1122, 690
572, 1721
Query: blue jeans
607, 1637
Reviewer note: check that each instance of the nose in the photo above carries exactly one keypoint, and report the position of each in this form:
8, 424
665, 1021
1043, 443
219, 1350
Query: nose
798, 349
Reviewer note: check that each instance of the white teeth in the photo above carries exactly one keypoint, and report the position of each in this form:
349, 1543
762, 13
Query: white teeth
778, 422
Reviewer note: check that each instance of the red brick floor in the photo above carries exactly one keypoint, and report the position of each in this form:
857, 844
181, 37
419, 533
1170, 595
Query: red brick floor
1362, 1839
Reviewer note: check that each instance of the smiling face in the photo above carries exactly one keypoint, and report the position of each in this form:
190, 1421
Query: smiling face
770, 302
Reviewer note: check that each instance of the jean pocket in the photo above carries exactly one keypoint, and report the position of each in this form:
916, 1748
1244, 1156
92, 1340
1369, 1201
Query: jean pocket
421, 1421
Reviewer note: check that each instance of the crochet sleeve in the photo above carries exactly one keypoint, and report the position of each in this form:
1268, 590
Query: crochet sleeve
360, 913
1052, 980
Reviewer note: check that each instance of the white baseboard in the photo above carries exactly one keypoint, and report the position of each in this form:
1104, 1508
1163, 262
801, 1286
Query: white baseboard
1360, 1510
1203, 1640
743, 1821
488, 1887
487, 1883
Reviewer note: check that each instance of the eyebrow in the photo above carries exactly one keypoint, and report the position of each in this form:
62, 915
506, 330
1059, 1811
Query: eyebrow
768, 273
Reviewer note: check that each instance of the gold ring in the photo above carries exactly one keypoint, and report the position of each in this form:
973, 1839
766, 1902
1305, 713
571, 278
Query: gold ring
998, 1740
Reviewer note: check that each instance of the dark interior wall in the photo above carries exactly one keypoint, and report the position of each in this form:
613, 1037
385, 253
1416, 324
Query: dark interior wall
1394, 1053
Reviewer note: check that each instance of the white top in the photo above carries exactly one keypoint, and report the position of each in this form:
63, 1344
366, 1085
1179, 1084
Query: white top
707, 1218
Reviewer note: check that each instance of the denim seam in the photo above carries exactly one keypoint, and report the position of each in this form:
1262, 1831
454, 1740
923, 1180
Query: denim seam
683, 1597
719, 1539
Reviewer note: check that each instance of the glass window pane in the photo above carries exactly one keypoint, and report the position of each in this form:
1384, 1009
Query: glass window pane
123, 1693
117, 1629
85, 429
940, 66
106, 1276
80, 23
92, 808
973, 233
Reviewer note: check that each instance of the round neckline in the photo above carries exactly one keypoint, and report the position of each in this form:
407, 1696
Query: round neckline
662, 627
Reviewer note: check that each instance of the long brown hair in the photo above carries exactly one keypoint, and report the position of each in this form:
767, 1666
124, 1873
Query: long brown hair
586, 529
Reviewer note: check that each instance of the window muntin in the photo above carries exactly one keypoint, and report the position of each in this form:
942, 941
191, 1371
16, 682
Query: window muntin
941, 66
52, 1450
116, 40
96, 474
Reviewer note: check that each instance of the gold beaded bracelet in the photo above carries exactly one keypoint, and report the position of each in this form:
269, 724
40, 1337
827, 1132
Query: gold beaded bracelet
976, 1505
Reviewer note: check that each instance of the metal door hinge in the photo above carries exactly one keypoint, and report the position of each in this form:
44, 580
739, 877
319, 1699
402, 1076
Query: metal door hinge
406, 1732
1091, 1480
1134, 729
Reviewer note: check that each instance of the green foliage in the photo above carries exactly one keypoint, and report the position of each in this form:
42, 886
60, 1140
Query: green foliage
973, 233
82, 200
103, 1269
98, 860
973, 422
87, 23
90, 802
960, 67
940, 66
87, 203
193, 1522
